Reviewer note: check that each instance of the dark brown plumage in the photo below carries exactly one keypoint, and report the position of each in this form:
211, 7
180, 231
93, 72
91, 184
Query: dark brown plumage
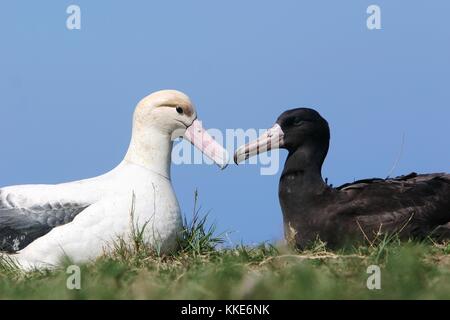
412, 206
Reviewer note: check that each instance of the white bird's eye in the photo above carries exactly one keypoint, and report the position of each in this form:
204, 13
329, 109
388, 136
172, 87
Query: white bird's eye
179, 110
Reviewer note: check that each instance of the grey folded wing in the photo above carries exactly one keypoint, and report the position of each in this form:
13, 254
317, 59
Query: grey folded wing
21, 226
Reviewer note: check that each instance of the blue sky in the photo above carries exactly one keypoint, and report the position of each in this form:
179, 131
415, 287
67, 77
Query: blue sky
66, 97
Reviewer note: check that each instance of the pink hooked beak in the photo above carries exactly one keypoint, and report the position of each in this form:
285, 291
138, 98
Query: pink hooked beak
202, 140
271, 139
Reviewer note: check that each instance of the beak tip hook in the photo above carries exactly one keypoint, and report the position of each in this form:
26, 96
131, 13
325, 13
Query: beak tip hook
236, 159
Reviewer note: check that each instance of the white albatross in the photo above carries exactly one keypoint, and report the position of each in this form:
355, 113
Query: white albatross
41, 224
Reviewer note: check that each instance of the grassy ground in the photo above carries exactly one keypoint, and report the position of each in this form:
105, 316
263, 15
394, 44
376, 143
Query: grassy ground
199, 270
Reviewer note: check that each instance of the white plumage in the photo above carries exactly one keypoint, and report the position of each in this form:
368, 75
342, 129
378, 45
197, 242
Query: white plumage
80, 219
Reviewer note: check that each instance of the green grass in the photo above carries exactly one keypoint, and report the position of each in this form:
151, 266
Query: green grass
202, 270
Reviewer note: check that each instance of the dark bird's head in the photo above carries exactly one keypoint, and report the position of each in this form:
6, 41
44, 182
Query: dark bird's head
303, 127
302, 131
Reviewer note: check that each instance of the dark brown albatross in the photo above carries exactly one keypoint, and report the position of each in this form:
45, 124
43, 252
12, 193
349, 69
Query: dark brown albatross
412, 206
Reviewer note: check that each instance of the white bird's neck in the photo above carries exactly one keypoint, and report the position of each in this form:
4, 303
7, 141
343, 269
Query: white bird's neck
151, 149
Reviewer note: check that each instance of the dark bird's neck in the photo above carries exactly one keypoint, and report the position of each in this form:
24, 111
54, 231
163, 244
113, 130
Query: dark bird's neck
302, 173
300, 192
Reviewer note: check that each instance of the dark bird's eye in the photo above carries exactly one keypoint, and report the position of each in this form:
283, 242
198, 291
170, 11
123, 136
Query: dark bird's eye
180, 110
297, 121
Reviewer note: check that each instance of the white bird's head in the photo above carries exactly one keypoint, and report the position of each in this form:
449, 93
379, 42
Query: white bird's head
168, 110
172, 114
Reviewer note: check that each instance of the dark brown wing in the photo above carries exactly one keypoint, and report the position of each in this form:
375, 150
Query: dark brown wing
413, 204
